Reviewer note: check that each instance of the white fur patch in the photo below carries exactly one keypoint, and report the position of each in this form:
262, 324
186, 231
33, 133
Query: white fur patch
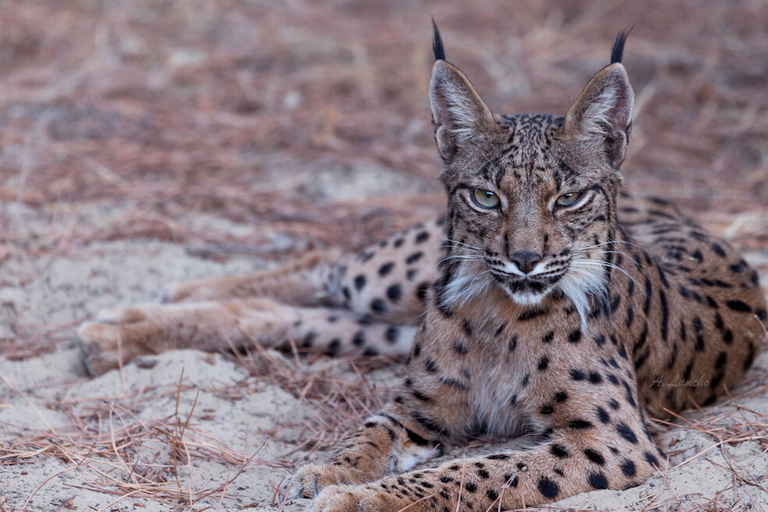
580, 283
470, 281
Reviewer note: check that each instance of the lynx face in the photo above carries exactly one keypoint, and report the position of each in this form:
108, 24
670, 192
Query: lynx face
531, 198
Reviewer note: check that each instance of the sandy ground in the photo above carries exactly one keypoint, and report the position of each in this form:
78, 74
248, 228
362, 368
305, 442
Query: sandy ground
150, 141
191, 430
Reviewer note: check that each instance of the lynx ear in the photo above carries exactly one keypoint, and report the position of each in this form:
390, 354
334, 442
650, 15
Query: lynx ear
458, 113
602, 116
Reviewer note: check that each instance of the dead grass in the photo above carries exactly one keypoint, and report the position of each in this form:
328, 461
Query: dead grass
128, 457
187, 108
125, 456
220, 107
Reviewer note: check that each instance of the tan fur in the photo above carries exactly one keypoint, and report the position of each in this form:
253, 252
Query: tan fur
628, 309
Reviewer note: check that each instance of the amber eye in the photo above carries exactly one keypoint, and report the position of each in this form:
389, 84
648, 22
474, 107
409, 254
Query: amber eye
568, 199
485, 198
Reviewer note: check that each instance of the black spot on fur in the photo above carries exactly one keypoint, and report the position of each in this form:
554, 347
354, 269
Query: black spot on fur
750, 356
459, 347
577, 374
391, 334
548, 488
575, 336
543, 363
594, 456
359, 339
664, 314
386, 268
739, 306
579, 424
648, 296
394, 292
626, 432
413, 258
630, 399
559, 451
651, 459
421, 292
378, 306
628, 468
532, 313
598, 480
603, 415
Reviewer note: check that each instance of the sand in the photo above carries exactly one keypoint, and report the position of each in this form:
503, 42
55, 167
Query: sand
70, 442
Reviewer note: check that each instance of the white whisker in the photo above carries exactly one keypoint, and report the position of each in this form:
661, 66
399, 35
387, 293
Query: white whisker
462, 244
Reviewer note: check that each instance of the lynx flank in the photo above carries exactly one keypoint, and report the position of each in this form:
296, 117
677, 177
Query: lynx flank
552, 304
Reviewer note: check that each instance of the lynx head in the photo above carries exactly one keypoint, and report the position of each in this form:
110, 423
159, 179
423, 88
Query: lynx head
531, 198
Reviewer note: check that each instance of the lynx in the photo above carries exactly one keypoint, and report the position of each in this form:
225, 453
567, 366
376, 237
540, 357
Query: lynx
547, 302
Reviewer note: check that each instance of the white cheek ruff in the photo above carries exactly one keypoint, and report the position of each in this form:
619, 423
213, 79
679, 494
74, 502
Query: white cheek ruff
470, 281
580, 283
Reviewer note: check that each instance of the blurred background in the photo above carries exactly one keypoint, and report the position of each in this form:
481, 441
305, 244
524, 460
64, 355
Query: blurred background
302, 123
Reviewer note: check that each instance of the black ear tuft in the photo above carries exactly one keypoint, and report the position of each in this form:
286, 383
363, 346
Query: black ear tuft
437, 43
618, 45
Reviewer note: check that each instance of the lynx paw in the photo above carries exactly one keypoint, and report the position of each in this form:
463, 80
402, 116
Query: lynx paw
347, 498
310, 480
115, 335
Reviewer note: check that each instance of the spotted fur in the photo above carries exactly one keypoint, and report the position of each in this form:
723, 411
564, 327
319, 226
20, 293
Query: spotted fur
566, 320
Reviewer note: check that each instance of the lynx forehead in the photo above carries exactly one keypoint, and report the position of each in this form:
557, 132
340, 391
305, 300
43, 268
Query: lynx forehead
551, 303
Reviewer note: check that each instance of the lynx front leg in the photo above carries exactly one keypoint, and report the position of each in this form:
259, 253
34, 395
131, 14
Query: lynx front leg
576, 462
584, 449
299, 282
122, 334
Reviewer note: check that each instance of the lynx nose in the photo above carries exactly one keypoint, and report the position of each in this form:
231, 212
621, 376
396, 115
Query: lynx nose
525, 261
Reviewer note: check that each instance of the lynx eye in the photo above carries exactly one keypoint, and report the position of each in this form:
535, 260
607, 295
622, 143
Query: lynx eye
568, 199
485, 198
